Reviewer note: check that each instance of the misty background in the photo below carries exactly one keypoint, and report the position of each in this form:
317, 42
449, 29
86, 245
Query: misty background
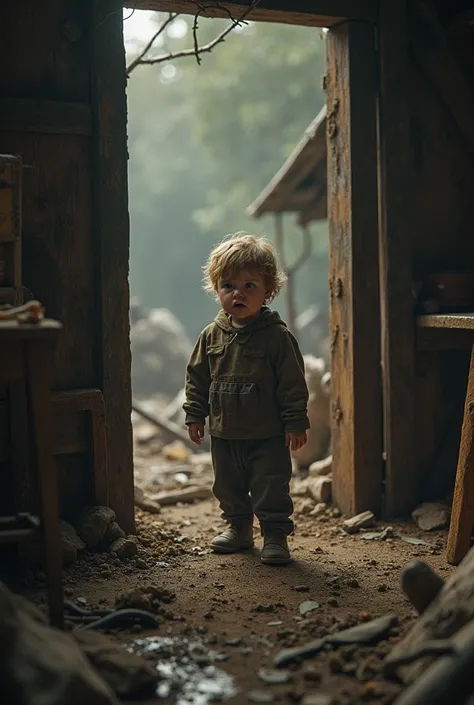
203, 142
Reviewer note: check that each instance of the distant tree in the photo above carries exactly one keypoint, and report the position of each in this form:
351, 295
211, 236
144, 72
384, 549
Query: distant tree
204, 141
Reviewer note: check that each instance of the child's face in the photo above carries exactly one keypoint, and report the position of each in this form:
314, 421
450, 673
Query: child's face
242, 295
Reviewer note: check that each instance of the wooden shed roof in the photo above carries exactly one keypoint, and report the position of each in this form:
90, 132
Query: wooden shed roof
300, 186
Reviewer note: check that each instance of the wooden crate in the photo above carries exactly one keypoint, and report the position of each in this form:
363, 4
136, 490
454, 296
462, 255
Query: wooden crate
11, 285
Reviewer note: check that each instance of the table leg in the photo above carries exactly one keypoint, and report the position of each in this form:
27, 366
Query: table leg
462, 514
39, 375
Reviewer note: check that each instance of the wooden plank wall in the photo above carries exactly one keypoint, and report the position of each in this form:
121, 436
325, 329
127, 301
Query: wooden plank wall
356, 424
442, 146
52, 113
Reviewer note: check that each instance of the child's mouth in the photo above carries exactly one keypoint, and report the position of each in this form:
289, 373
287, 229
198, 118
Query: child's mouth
237, 305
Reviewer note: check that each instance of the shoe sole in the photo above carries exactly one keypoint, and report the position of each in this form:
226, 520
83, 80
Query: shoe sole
225, 549
276, 561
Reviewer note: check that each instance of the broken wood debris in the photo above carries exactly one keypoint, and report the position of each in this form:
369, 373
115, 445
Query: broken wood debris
365, 633
190, 494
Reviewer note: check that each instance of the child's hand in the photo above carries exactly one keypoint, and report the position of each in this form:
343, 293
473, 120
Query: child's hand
295, 440
196, 432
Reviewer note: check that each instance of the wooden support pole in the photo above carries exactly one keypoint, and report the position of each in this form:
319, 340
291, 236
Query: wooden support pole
398, 323
356, 424
462, 513
112, 253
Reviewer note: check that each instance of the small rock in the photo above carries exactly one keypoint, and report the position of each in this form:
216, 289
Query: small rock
308, 606
146, 503
353, 583
319, 508
317, 699
71, 543
177, 451
335, 664
124, 548
113, 533
332, 602
93, 525
260, 696
300, 588
431, 515
273, 677
360, 521
382, 587
321, 467
320, 488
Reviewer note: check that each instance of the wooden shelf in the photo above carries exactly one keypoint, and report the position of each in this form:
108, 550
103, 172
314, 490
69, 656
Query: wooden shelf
447, 321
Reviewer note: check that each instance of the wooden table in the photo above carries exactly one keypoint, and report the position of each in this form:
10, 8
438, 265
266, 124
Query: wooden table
26, 355
456, 330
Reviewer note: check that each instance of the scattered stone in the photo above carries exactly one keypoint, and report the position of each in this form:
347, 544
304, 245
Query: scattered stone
41, 664
317, 699
260, 696
335, 664
143, 501
321, 467
360, 521
318, 509
414, 540
233, 642
277, 623
114, 532
124, 548
93, 525
382, 587
274, 677
312, 675
300, 588
308, 606
320, 488
71, 543
431, 515
267, 608
128, 674
332, 602
353, 583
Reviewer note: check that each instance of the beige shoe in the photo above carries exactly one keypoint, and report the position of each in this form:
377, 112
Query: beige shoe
237, 537
275, 548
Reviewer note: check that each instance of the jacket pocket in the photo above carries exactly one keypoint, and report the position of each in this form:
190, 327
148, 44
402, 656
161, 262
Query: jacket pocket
235, 402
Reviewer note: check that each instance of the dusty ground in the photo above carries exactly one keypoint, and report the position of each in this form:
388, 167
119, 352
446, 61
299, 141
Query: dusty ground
248, 612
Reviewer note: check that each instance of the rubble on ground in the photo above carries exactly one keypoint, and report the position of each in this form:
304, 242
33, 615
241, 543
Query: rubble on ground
319, 433
431, 515
160, 352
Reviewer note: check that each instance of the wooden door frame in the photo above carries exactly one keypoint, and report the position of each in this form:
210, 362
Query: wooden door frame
357, 424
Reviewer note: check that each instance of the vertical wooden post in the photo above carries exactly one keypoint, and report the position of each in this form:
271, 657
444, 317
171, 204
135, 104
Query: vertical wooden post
112, 236
353, 267
398, 344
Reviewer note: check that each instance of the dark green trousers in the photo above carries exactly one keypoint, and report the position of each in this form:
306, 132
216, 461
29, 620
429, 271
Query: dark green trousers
253, 477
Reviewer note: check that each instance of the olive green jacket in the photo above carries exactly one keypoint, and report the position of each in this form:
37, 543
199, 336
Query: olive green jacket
249, 382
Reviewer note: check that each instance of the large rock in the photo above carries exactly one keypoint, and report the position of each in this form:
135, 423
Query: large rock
431, 515
71, 543
41, 665
93, 525
319, 433
128, 674
160, 352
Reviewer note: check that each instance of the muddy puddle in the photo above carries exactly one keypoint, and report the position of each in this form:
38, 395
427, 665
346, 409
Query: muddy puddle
187, 670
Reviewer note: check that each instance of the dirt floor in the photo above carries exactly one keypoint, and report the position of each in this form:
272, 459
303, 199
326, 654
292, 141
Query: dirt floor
236, 614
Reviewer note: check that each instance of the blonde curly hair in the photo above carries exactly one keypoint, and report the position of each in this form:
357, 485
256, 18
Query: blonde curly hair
243, 251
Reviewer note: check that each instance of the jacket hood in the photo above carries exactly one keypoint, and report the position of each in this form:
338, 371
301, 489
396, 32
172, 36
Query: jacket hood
266, 318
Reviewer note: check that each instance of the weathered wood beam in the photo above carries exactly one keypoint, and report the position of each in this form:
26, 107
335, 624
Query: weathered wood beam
397, 303
452, 84
356, 425
317, 13
112, 255
46, 116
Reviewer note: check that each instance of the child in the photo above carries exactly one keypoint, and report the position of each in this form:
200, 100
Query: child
246, 374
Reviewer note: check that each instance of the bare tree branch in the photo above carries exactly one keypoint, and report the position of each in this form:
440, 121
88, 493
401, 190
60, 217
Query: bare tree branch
197, 50
172, 16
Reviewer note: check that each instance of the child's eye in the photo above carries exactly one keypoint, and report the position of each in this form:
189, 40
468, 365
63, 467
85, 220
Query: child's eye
227, 285
249, 285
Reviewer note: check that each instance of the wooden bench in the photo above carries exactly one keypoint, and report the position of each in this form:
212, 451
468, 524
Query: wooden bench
451, 331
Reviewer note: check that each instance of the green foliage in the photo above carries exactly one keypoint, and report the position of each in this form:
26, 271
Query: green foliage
204, 141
